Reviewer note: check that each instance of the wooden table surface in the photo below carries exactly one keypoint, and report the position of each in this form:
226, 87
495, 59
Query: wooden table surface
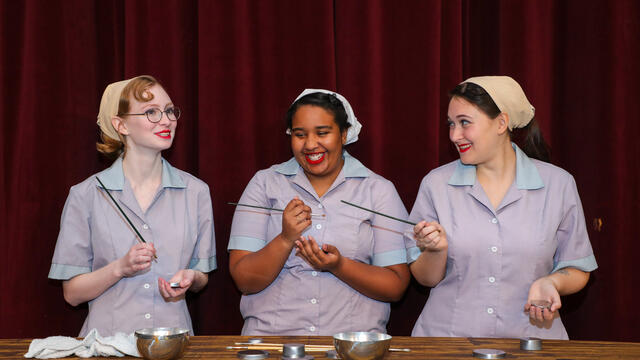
214, 347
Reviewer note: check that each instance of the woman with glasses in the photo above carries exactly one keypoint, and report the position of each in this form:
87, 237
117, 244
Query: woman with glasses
134, 261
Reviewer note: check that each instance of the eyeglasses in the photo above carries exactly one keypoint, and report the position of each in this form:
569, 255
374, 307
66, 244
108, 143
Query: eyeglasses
155, 115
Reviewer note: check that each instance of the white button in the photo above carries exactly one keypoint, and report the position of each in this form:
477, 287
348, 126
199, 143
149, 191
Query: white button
494, 220
319, 206
314, 273
318, 226
146, 286
313, 301
147, 316
312, 328
494, 249
492, 279
145, 226
489, 310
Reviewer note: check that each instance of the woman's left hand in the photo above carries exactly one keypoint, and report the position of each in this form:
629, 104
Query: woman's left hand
184, 277
542, 289
326, 258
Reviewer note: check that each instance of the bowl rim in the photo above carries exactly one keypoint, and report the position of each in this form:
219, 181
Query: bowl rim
340, 336
148, 333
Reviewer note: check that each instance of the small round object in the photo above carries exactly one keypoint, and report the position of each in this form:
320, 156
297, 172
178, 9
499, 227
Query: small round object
489, 354
253, 354
332, 354
293, 351
254, 340
542, 304
530, 344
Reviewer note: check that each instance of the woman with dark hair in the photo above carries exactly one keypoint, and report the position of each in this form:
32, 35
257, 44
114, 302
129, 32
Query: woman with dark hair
319, 267
501, 235
100, 257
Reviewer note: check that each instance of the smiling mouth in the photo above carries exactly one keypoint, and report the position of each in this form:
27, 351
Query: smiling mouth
464, 147
165, 134
314, 158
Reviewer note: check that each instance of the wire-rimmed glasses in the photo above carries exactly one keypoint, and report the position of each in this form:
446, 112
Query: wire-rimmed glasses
154, 115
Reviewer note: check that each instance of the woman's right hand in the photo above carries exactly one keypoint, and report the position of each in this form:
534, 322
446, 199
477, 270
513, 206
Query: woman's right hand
430, 236
295, 218
138, 258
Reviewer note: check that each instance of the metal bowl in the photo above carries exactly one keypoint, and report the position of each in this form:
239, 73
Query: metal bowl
361, 345
162, 343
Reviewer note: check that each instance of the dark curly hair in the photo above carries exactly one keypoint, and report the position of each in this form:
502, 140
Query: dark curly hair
329, 102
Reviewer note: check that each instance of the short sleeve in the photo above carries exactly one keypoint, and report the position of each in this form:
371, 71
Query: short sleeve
73, 254
249, 226
389, 248
423, 210
574, 249
204, 255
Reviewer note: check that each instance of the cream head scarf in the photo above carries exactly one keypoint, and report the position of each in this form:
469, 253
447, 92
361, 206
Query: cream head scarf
508, 96
109, 107
354, 129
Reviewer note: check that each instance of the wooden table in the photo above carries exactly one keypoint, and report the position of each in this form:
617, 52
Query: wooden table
214, 347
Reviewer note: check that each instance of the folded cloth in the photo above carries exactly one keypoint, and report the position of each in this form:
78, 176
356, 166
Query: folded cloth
93, 344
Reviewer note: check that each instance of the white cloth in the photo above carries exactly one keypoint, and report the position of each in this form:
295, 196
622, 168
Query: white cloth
93, 344
354, 129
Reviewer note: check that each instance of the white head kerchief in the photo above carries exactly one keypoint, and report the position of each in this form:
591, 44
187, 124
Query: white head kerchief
508, 96
354, 129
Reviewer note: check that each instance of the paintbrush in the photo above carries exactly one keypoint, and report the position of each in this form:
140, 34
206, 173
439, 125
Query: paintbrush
379, 213
123, 214
266, 208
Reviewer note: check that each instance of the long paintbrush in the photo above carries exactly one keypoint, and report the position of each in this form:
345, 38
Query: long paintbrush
265, 208
123, 214
379, 213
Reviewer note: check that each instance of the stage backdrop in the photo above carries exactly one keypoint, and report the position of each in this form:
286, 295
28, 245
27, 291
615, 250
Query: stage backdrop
235, 66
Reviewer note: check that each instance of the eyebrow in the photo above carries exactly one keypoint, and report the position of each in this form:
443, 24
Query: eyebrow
322, 127
154, 105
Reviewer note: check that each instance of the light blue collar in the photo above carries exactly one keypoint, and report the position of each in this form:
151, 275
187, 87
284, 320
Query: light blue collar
351, 168
113, 177
527, 175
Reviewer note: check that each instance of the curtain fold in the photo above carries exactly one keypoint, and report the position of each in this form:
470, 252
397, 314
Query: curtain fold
234, 67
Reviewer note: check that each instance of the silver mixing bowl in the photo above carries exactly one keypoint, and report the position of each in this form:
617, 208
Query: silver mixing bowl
162, 343
361, 345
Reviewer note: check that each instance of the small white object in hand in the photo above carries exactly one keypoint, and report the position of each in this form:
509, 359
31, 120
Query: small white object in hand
93, 344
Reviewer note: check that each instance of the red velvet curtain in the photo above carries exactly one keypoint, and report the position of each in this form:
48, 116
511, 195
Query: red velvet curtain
235, 66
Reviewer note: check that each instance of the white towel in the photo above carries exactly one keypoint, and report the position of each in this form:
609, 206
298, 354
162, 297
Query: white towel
93, 344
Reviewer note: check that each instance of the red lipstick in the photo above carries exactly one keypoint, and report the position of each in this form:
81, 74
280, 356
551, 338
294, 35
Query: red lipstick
463, 147
314, 158
165, 134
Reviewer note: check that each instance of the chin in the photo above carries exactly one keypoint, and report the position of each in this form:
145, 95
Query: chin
468, 160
